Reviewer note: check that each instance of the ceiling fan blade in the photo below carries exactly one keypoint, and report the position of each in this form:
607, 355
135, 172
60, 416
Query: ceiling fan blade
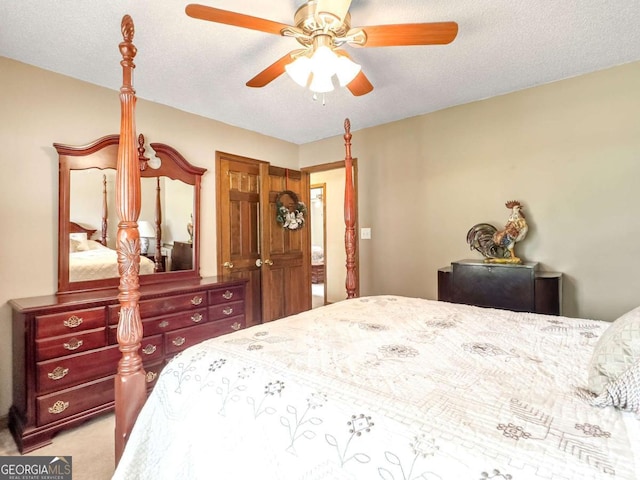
439, 33
337, 8
272, 72
211, 14
360, 85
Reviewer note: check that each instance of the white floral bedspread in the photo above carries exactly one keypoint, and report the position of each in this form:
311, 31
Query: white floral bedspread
388, 388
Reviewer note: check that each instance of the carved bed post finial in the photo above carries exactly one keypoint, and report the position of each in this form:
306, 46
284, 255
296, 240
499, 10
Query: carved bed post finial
130, 385
351, 282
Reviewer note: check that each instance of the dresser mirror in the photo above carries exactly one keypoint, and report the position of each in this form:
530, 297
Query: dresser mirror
88, 216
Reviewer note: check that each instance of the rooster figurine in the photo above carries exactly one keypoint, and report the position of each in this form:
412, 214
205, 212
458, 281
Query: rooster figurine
497, 245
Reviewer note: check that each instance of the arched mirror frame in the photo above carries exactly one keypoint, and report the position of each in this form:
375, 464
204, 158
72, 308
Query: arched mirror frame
102, 154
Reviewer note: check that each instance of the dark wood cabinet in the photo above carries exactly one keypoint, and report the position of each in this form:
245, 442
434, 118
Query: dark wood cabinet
65, 350
520, 288
182, 256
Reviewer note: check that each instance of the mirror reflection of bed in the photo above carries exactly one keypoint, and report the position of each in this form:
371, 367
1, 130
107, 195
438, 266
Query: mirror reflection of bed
92, 209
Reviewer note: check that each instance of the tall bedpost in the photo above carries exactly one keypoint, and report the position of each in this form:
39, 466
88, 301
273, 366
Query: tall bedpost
349, 215
130, 390
105, 212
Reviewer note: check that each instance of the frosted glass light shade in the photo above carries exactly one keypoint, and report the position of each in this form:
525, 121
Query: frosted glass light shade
299, 70
321, 83
346, 70
324, 60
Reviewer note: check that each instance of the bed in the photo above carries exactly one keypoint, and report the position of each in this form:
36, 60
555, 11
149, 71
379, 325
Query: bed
383, 386
386, 387
91, 260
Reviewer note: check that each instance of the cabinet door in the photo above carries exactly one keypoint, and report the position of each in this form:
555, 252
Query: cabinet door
497, 286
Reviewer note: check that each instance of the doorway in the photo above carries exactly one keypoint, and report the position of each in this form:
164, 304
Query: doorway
331, 176
253, 244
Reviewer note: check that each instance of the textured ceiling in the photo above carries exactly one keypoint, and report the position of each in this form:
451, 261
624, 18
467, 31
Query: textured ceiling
202, 67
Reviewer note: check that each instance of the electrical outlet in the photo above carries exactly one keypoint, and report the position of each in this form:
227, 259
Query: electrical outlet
365, 233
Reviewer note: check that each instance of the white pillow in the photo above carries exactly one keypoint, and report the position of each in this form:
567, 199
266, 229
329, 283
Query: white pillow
78, 242
614, 370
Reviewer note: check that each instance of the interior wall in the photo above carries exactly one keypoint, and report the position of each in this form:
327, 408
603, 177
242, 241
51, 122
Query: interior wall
569, 151
39, 108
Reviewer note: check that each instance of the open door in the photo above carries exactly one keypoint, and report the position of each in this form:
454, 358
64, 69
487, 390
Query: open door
285, 251
251, 242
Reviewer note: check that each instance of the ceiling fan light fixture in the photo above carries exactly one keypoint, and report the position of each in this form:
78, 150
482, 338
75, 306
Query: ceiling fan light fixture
299, 70
346, 70
321, 83
324, 61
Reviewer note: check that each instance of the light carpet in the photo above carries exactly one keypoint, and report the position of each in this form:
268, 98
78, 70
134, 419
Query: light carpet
90, 445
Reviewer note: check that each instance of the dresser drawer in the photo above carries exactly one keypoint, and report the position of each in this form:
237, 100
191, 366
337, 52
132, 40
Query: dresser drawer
68, 344
224, 295
68, 322
178, 340
152, 348
74, 400
164, 305
74, 369
225, 310
167, 323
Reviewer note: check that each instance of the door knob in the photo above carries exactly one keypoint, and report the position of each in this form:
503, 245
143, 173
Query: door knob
258, 263
228, 265
268, 262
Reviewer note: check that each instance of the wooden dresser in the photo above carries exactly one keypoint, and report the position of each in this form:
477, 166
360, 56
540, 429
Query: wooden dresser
521, 288
65, 350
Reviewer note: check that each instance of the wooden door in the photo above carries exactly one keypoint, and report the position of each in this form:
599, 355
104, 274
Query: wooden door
238, 226
286, 255
251, 243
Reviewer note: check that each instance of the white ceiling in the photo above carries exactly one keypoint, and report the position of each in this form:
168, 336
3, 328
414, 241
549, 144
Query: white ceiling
202, 67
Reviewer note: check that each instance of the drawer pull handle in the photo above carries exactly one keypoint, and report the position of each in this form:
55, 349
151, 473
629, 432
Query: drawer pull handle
73, 344
236, 326
58, 373
151, 376
163, 324
196, 317
197, 300
149, 349
73, 322
227, 295
178, 341
58, 407
227, 311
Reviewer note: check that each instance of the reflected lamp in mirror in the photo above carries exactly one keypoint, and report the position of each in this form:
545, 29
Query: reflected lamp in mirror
146, 231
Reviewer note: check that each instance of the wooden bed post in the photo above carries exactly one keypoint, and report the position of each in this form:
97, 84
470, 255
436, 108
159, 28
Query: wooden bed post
105, 212
349, 216
130, 385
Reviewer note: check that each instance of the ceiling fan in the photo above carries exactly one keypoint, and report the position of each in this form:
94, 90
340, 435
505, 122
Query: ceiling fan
325, 26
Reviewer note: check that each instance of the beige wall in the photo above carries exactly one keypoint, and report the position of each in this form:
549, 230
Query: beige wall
38, 108
570, 151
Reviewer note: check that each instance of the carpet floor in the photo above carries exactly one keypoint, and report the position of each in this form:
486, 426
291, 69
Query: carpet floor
91, 447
